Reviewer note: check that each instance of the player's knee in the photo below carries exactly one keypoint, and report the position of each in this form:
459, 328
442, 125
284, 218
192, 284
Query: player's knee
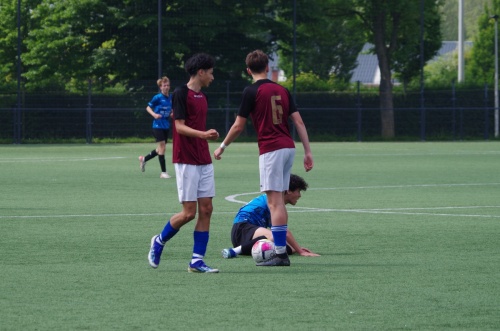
188, 216
207, 211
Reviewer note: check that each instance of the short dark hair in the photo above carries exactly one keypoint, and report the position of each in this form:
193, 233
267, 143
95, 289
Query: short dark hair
257, 61
297, 182
197, 62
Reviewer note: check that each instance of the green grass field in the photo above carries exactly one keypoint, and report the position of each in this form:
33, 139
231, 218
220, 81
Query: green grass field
409, 237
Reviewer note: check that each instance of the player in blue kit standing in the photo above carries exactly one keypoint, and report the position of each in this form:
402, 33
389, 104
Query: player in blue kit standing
159, 108
194, 170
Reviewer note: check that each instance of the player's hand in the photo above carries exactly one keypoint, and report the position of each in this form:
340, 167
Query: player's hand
308, 162
218, 152
211, 134
307, 252
157, 116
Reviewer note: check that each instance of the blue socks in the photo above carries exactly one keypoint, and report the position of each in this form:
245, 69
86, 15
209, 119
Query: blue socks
167, 233
199, 248
279, 235
200, 243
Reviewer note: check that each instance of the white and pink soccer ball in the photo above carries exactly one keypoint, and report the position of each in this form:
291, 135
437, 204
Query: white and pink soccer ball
263, 250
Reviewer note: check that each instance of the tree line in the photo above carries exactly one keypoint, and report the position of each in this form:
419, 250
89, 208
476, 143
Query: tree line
66, 43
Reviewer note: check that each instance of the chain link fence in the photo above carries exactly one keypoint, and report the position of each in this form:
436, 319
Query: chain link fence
93, 117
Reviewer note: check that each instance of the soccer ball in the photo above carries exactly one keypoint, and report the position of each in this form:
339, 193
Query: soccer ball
263, 250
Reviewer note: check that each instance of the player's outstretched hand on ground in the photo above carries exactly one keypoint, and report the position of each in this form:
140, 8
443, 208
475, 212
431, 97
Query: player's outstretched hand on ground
307, 252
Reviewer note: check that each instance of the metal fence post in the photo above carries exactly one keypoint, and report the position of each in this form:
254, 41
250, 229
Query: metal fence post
358, 106
89, 114
17, 118
486, 114
227, 105
454, 110
461, 123
422, 63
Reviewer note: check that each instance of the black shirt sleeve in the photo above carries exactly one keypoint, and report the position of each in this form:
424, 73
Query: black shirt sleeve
179, 102
248, 101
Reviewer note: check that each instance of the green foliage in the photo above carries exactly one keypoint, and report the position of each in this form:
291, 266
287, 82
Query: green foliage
9, 38
311, 82
67, 42
442, 72
61, 43
481, 67
393, 27
472, 11
406, 60
308, 82
326, 44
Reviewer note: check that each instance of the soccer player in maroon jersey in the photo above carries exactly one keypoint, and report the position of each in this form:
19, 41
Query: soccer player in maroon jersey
270, 105
194, 171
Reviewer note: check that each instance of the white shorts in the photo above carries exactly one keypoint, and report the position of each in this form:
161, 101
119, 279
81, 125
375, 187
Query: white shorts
275, 169
194, 181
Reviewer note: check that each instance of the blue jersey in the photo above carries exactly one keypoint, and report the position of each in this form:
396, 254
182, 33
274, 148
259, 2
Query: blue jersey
255, 212
161, 104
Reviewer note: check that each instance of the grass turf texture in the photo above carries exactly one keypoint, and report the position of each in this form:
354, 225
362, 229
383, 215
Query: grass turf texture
408, 235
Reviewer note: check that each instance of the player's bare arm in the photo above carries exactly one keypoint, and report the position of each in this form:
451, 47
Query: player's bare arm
152, 113
302, 131
185, 130
236, 129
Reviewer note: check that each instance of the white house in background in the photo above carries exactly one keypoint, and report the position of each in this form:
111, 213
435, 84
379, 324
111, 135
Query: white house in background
368, 72
275, 73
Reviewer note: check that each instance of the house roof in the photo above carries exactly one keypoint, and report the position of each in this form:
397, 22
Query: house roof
368, 72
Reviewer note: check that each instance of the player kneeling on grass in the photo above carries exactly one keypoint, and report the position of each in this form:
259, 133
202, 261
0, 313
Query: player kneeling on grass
252, 223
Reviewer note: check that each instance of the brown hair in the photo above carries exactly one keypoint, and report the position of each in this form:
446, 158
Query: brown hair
257, 61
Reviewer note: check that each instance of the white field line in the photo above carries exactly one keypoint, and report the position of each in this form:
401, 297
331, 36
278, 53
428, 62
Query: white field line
395, 211
95, 215
399, 212
300, 209
232, 198
60, 159
404, 186
458, 153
